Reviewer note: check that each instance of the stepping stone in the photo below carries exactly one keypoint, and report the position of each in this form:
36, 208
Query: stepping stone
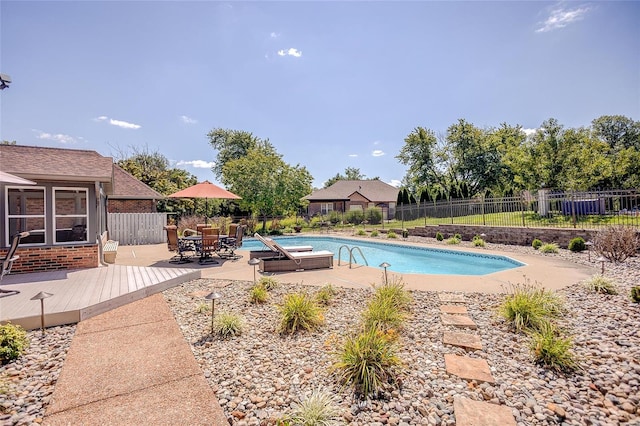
458, 321
451, 297
468, 368
463, 340
453, 309
479, 413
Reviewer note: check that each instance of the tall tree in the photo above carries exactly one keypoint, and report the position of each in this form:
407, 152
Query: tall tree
350, 173
585, 164
618, 131
267, 184
548, 151
231, 145
419, 152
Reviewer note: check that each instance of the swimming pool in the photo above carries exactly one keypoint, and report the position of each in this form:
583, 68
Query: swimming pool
404, 259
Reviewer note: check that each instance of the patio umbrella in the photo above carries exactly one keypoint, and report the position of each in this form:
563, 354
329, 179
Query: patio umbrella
17, 180
205, 190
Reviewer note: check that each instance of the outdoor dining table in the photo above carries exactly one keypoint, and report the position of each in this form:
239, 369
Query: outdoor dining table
194, 239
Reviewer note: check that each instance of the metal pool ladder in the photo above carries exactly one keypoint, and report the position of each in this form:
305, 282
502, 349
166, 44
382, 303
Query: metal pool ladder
351, 256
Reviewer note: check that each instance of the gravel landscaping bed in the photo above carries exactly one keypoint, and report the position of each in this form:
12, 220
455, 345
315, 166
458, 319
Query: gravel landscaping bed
258, 376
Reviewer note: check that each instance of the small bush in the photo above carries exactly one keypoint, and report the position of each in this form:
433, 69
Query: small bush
549, 248
299, 312
325, 294
392, 234
258, 294
203, 307
458, 236
616, 243
536, 244
552, 351
478, 241
319, 408
361, 232
601, 284
577, 244
373, 215
374, 233
439, 236
529, 306
453, 240
382, 315
228, 324
368, 361
635, 294
269, 283
354, 216
394, 292
13, 342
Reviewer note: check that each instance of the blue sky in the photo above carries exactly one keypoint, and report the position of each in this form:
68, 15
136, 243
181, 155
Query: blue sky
330, 84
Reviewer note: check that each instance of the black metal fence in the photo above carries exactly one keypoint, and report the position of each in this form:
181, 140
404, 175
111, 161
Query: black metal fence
544, 208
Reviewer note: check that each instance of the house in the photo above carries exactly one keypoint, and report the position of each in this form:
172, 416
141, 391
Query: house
66, 211
347, 195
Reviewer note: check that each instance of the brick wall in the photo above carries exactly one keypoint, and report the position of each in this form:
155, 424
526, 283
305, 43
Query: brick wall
506, 235
35, 259
131, 206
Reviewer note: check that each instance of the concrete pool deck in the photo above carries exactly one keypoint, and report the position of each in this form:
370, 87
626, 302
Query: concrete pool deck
550, 271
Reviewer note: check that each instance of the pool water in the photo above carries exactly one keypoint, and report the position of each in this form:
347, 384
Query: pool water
402, 258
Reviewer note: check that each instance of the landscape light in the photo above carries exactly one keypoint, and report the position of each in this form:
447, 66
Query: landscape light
213, 296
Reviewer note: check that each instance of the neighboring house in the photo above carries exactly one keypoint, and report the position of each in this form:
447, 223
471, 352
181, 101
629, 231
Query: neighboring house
66, 211
131, 195
347, 195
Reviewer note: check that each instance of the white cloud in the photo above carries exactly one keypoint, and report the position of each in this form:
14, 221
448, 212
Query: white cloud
376, 143
198, 164
353, 155
290, 52
274, 35
529, 132
560, 18
188, 120
58, 137
395, 182
119, 123
377, 153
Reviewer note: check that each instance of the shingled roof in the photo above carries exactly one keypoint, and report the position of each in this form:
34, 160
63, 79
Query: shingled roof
127, 186
373, 190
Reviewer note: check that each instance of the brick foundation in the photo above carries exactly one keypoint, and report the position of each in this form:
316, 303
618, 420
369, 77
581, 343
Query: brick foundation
38, 259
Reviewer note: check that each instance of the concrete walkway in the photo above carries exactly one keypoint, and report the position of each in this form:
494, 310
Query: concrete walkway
132, 366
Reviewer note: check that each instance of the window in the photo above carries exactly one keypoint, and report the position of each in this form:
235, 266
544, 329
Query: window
70, 206
26, 212
325, 208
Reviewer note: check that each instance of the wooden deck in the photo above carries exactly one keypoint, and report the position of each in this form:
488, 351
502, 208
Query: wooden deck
82, 294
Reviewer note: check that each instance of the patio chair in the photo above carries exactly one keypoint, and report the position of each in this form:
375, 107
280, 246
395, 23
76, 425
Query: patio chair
272, 251
7, 261
184, 250
295, 261
232, 242
208, 247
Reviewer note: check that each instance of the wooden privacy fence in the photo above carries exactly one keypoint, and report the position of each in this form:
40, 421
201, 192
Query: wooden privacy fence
137, 228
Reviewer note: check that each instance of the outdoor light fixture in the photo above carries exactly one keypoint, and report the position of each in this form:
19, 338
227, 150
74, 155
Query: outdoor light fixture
41, 296
601, 259
213, 296
385, 265
255, 261
5, 80
589, 244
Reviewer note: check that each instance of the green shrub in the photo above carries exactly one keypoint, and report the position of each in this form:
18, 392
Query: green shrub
536, 244
203, 307
373, 215
453, 240
319, 408
395, 292
635, 294
392, 234
269, 283
478, 241
549, 248
325, 294
335, 217
228, 324
405, 233
354, 216
439, 236
13, 342
361, 232
601, 284
258, 294
458, 236
552, 351
299, 312
287, 230
577, 244
368, 361
529, 306
374, 233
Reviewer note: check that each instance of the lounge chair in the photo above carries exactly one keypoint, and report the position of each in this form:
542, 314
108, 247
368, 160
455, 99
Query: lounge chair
272, 251
7, 261
295, 261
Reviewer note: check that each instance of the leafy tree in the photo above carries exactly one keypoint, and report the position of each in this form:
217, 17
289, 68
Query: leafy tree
6, 142
267, 184
618, 131
548, 151
420, 153
585, 164
231, 145
350, 173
